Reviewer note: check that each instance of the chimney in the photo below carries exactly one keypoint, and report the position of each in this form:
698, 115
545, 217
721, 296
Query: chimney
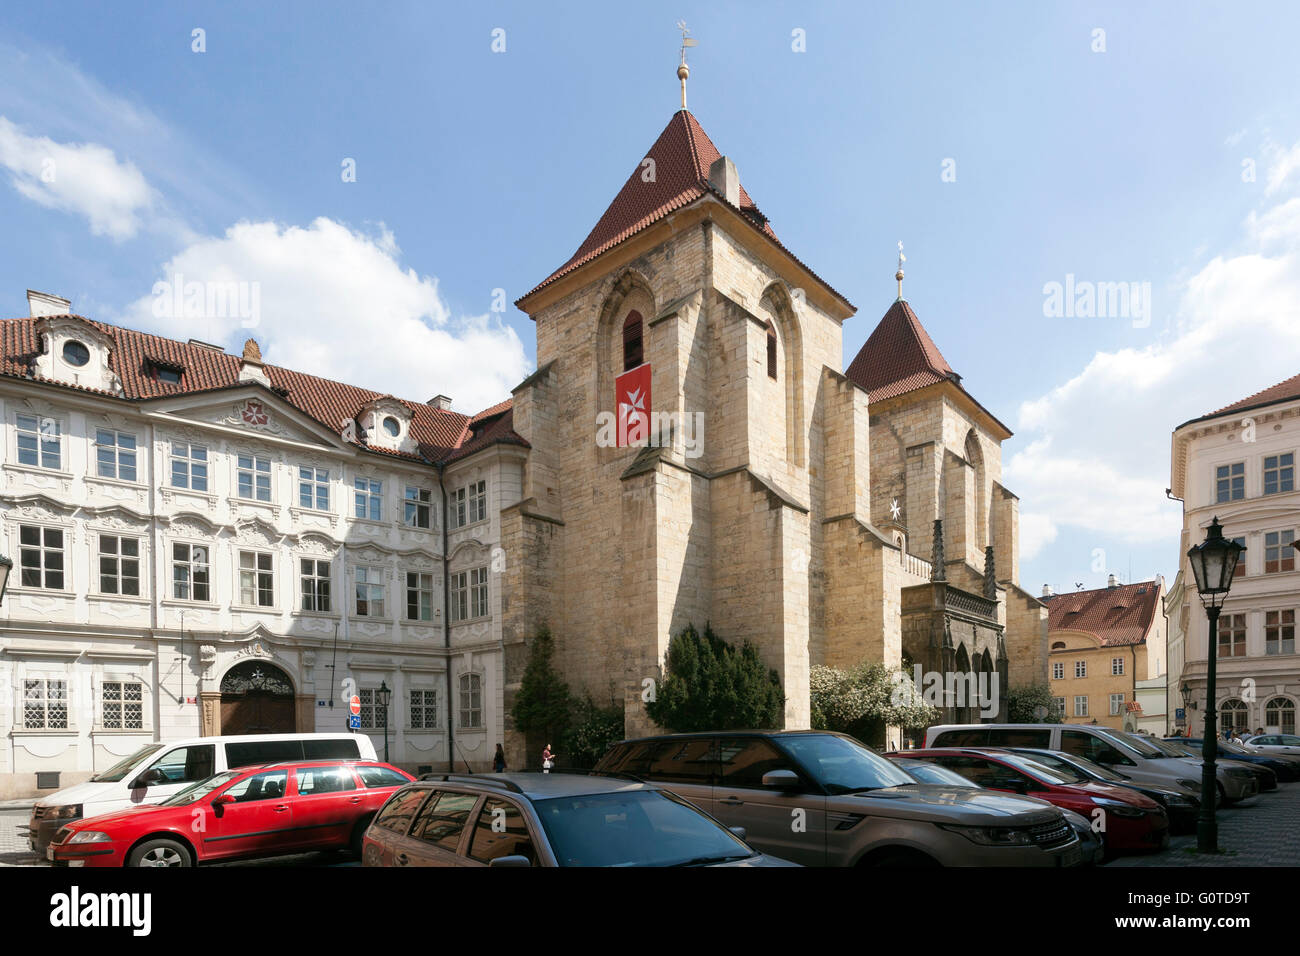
1112, 582
440, 402
42, 303
1047, 590
724, 178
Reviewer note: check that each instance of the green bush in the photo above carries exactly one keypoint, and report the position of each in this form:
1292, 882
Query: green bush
1023, 700
710, 685
863, 700
594, 729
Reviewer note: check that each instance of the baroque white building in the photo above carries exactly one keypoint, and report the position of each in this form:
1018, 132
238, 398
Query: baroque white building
203, 543
1239, 464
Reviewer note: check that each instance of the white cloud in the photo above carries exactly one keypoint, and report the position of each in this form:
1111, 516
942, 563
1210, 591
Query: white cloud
82, 178
338, 303
1098, 457
1037, 531
1282, 163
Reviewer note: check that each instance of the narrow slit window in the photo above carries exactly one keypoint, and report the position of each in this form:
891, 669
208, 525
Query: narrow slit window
771, 351
632, 352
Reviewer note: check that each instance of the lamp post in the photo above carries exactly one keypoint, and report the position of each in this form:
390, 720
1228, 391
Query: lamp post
1214, 561
1186, 691
385, 695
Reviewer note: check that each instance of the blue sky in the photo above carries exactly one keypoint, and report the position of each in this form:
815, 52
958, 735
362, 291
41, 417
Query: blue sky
1117, 157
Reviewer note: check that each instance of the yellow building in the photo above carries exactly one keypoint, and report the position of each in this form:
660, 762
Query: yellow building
1101, 644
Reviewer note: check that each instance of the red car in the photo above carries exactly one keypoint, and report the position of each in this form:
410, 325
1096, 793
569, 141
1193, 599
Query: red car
1128, 820
293, 807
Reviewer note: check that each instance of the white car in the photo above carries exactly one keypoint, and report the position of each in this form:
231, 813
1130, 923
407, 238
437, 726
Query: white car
1275, 744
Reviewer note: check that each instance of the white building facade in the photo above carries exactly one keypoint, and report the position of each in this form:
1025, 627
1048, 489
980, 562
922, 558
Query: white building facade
1239, 464
215, 558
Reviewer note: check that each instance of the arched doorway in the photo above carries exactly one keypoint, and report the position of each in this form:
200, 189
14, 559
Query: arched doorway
257, 698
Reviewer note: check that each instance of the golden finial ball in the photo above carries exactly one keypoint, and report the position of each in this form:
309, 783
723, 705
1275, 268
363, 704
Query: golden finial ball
683, 72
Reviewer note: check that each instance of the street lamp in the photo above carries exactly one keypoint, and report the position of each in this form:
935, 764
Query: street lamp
1186, 691
385, 695
1214, 561
5, 567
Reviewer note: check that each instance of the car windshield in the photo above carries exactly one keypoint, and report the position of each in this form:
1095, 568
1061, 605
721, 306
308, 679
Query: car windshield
842, 765
1057, 772
635, 828
1079, 767
1146, 746
123, 767
1091, 767
933, 773
1179, 748
197, 791
1162, 748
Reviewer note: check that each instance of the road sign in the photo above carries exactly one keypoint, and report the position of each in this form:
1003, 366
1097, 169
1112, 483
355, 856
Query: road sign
1179, 713
354, 705
354, 721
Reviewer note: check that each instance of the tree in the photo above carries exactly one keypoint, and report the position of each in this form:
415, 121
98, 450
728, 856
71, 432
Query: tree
709, 684
1022, 701
543, 705
594, 729
865, 699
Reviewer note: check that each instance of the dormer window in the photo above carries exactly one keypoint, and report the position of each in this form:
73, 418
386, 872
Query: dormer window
75, 353
392, 426
387, 424
162, 372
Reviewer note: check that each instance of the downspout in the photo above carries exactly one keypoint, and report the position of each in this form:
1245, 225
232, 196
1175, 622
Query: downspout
446, 623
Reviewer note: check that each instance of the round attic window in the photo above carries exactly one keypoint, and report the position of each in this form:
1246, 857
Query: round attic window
75, 353
392, 426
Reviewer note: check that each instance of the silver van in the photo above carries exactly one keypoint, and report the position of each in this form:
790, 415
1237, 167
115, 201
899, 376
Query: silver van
1126, 753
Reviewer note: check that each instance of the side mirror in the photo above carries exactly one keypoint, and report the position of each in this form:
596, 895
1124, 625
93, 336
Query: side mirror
781, 780
738, 832
511, 861
222, 800
150, 778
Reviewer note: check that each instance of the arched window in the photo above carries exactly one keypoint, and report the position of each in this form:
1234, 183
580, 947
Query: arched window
1058, 646
471, 700
632, 352
1280, 713
771, 351
1233, 716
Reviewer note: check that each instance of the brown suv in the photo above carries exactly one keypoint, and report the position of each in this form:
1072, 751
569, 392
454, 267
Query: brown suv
824, 799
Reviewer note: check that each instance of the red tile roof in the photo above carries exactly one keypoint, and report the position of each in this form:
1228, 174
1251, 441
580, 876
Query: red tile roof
1117, 616
1281, 392
440, 435
682, 156
898, 357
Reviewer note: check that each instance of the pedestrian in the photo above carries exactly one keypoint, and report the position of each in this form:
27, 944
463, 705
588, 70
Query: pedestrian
548, 759
499, 761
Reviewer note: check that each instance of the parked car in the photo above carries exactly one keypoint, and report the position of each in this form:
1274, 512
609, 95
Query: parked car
1275, 744
548, 819
1130, 820
1272, 769
852, 807
160, 770
1181, 807
273, 809
1133, 755
1091, 843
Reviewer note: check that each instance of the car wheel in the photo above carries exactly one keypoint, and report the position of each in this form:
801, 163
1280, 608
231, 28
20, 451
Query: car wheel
160, 853
358, 836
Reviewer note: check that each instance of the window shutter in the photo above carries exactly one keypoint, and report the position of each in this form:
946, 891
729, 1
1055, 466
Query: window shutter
632, 353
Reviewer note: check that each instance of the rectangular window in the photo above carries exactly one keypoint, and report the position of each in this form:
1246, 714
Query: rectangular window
1279, 473
367, 695
1240, 569
315, 585
1116, 666
1278, 553
419, 596
477, 510
1060, 705
45, 704
1230, 482
1279, 632
119, 565
370, 499
40, 557
115, 454
122, 705
256, 579
191, 580
471, 700
424, 709
467, 505
456, 508
478, 592
254, 477
370, 592
459, 596
417, 506
1232, 635
1081, 706
189, 466
1080, 668
314, 488
1116, 704
40, 443
1058, 670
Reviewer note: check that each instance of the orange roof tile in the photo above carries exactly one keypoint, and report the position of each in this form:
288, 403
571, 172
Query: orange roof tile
1117, 616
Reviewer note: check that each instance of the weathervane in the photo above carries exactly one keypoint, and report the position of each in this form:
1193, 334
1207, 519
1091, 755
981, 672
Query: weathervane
899, 274
684, 71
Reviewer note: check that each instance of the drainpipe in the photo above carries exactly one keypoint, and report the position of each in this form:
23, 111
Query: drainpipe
446, 624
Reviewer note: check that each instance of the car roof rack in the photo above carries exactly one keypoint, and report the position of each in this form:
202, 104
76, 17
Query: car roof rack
482, 779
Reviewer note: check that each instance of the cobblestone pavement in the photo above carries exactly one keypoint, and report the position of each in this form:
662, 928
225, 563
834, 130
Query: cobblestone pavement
1262, 831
